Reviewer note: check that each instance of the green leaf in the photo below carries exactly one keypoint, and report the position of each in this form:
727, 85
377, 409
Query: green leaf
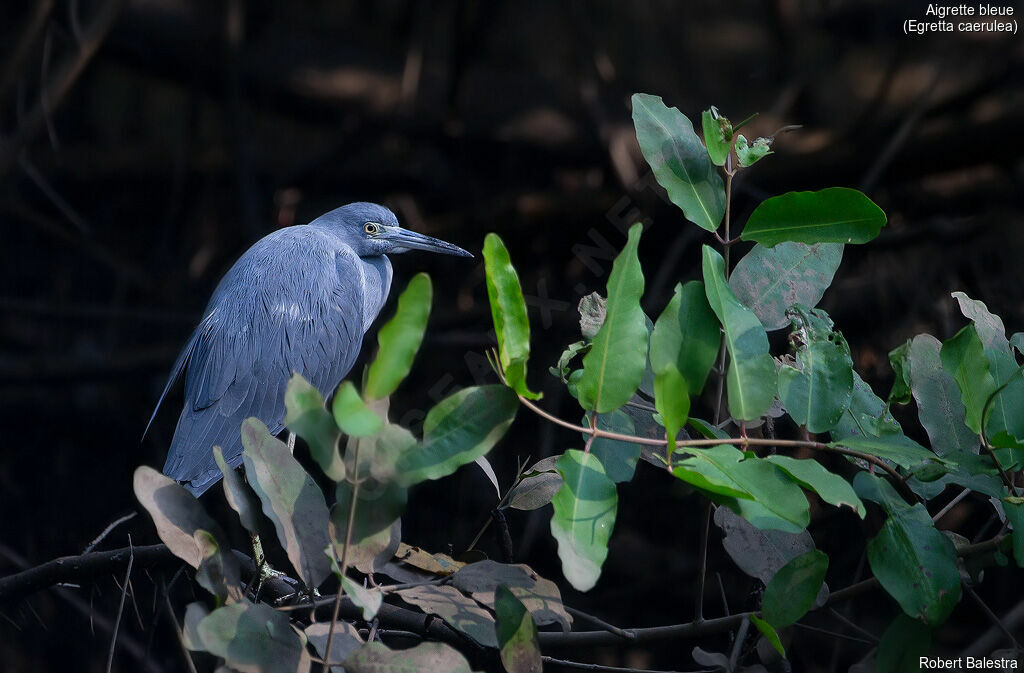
377, 658
399, 339
770, 280
791, 593
833, 215
618, 458
913, 561
562, 369
898, 448
613, 368
253, 638
238, 494
378, 506
903, 644
1014, 509
753, 488
714, 137
460, 429
517, 634
369, 600
769, 633
812, 475
963, 357
867, 415
761, 553
306, 416
508, 310
352, 415
940, 408
1004, 412
679, 161
672, 400
899, 360
818, 391
175, 512
750, 154
584, 515
290, 498
686, 336
751, 376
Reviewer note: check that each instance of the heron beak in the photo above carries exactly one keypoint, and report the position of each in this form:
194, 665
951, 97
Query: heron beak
404, 239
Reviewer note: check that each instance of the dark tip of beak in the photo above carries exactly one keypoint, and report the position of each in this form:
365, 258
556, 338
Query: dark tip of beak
415, 241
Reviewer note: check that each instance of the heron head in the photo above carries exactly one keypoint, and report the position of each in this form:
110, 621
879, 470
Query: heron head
371, 230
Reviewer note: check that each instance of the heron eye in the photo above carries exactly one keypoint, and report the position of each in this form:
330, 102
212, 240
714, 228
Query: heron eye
372, 228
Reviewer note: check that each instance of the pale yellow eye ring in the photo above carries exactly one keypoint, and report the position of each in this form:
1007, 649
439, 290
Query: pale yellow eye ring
371, 228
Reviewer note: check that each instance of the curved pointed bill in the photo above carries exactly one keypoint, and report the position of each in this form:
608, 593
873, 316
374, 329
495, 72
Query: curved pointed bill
404, 239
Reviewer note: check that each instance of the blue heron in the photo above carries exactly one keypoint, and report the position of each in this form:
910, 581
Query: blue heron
299, 300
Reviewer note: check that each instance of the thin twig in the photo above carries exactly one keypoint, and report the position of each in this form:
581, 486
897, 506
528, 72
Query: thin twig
600, 623
120, 606
356, 481
951, 504
702, 564
107, 531
177, 632
737, 646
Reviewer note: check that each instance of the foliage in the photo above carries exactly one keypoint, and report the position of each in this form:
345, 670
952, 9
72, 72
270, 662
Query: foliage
639, 387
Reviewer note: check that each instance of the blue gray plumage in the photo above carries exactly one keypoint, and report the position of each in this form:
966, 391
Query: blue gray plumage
299, 300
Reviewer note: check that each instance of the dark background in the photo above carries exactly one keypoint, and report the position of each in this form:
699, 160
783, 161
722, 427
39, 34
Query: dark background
144, 145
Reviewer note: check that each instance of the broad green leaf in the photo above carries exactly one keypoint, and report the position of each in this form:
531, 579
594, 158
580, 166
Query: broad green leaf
238, 494
751, 377
749, 154
903, 644
253, 638
369, 600
613, 368
833, 215
940, 408
770, 280
1004, 412
679, 161
913, 561
706, 429
686, 335
1014, 509
175, 512
672, 400
867, 415
508, 310
306, 416
753, 488
516, 634
793, 589
461, 428
963, 357
378, 506
898, 448
583, 518
618, 458
399, 339
770, 634
714, 136
380, 454
818, 390
460, 611
290, 498
899, 360
352, 415
377, 658
812, 475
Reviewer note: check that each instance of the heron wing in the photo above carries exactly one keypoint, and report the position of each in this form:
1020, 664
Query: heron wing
292, 303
